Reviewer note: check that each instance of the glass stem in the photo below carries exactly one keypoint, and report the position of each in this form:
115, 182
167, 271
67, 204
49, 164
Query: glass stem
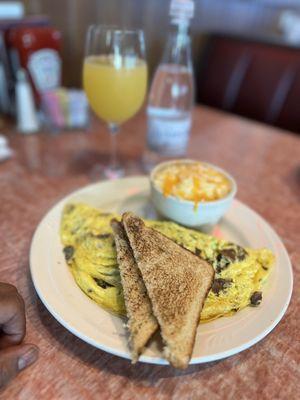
113, 129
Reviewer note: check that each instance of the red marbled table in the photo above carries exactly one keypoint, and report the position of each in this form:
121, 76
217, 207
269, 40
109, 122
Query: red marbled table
266, 164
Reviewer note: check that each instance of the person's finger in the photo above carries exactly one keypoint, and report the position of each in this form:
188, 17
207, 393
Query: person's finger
14, 359
12, 316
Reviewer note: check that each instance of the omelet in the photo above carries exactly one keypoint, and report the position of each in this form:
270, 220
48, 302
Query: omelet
89, 249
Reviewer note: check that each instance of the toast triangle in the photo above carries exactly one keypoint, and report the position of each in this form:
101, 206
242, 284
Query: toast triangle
141, 322
177, 282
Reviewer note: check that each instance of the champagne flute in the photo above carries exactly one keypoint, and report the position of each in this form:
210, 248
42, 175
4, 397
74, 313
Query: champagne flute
114, 80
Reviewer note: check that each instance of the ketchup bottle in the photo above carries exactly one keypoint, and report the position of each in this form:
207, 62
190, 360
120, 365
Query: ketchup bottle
37, 49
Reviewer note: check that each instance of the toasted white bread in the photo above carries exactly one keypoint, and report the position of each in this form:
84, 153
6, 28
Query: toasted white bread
141, 321
177, 282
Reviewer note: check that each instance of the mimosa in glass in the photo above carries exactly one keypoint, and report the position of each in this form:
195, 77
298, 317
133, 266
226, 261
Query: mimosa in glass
115, 89
114, 79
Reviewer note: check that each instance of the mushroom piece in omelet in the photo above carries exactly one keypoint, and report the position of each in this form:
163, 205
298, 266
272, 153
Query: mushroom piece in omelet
90, 252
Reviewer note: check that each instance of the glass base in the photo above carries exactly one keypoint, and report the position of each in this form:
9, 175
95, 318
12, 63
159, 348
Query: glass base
99, 172
113, 172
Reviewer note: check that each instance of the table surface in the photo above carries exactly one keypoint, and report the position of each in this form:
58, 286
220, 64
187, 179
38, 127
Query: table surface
266, 164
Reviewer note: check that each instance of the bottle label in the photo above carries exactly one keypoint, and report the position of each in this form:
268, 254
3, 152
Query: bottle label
168, 131
45, 69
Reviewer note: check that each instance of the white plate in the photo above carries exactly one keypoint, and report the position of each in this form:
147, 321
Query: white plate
84, 318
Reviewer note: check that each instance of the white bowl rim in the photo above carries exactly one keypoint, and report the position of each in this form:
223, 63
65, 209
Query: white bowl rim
230, 195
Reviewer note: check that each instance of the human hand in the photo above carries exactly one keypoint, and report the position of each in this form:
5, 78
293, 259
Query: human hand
14, 357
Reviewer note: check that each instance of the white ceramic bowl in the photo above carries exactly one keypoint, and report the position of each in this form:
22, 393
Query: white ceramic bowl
184, 211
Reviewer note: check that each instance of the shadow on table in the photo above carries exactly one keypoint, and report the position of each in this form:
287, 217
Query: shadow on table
74, 347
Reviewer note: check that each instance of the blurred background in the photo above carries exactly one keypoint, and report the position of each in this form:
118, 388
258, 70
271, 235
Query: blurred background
246, 53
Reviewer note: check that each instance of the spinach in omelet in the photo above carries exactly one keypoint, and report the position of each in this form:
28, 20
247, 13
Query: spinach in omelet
90, 252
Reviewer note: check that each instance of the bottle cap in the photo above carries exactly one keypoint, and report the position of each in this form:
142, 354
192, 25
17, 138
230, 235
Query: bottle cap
181, 9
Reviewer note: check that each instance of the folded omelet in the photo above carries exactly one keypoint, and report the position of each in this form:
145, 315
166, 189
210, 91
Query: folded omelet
90, 252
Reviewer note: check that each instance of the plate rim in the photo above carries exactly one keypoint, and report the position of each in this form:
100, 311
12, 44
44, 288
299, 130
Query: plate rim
151, 359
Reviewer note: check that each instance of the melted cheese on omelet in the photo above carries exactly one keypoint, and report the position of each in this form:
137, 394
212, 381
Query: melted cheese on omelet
90, 252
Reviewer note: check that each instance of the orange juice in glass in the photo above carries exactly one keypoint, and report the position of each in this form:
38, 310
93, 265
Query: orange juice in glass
115, 87
114, 79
